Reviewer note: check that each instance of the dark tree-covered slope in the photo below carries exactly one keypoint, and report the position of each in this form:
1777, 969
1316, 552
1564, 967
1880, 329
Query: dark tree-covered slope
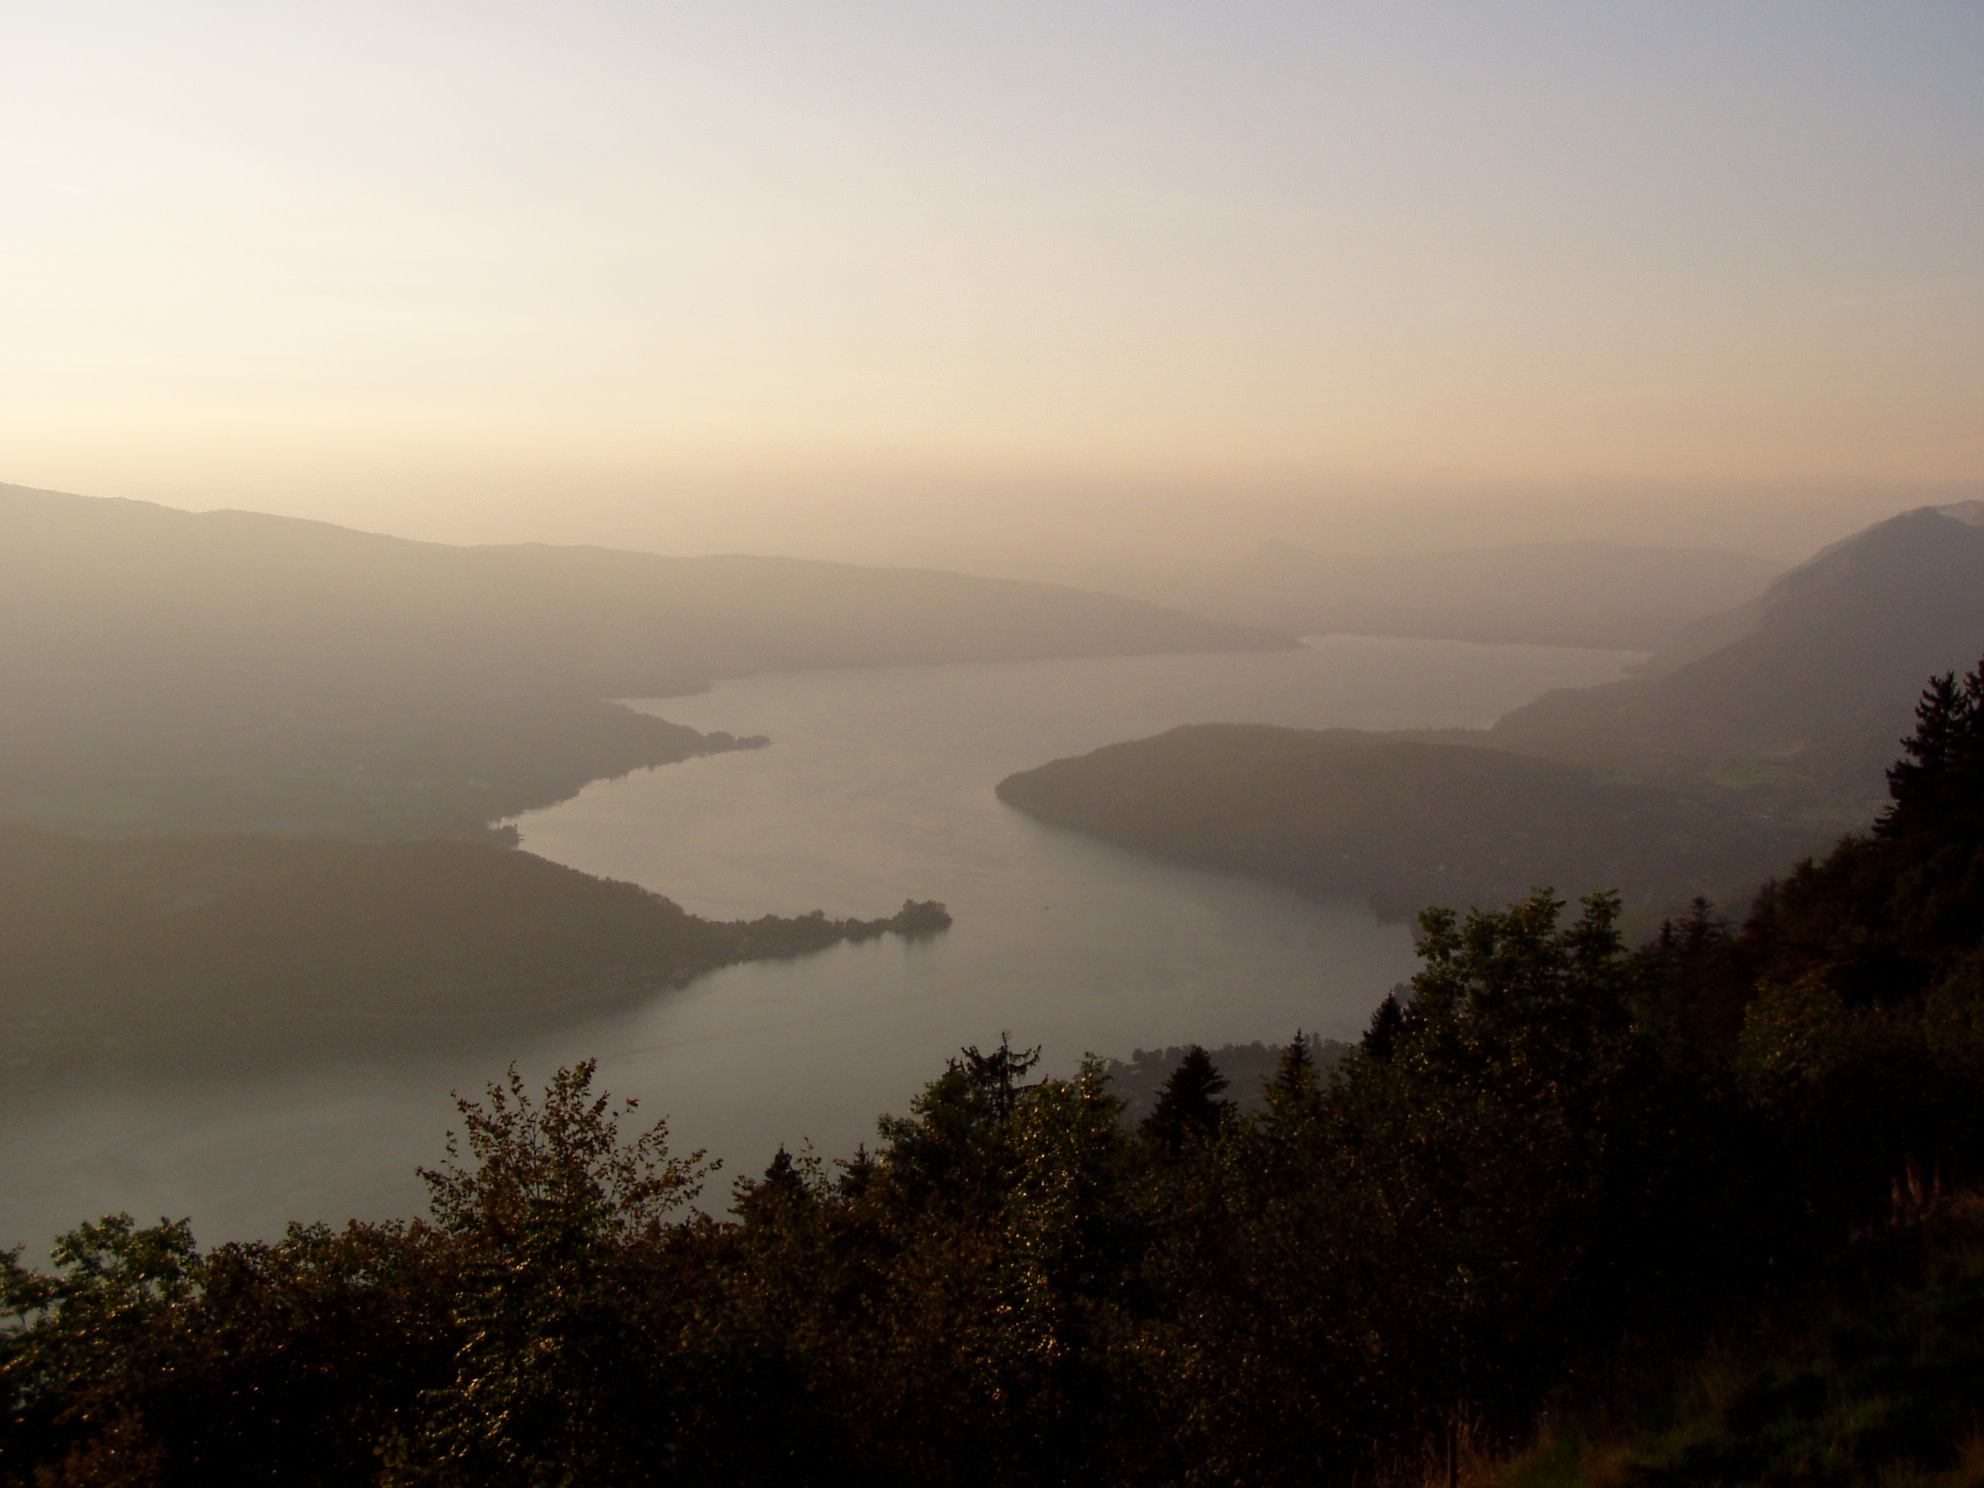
167, 670
148, 950
1247, 1068
1400, 822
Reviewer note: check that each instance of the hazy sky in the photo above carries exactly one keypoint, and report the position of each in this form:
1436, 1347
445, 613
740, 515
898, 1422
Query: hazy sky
615, 270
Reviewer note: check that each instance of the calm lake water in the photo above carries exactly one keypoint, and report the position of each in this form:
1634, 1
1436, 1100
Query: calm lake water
877, 788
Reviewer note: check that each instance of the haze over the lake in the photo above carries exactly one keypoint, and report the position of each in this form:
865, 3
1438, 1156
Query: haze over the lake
1140, 285
985, 743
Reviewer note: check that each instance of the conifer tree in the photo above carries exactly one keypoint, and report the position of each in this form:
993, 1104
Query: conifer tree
1189, 1105
1387, 1027
780, 1174
1939, 786
999, 1076
1295, 1074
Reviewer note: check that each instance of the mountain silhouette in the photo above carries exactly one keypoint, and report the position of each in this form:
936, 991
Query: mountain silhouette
232, 671
1819, 674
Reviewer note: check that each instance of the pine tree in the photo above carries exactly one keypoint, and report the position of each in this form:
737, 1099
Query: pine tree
1939, 786
1189, 1105
999, 1076
1295, 1074
1387, 1027
781, 1176
857, 1172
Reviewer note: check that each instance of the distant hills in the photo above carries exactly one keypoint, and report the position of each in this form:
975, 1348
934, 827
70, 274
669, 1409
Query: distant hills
1809, 685
178, 671
1400, 823
1758, 734
1564, 594
205, 950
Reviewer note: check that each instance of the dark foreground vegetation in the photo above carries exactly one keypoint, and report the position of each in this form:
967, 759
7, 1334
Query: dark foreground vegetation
1140, 1081
1872, 1376
210, 950
1553, 1174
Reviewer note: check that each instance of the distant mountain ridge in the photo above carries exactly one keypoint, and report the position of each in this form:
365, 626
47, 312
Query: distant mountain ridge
1819, 673
179, 671
265, 595
1760, 734
1565, 593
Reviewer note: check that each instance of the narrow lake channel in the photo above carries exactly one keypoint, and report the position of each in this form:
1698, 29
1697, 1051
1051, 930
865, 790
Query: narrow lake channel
877, 787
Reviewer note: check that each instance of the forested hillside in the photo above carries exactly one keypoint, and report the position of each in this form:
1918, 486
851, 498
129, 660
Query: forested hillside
1758, 735
1798, 696
202, 952
1140, 1081
1399, 822
1553, 1174
412, 768
174, 671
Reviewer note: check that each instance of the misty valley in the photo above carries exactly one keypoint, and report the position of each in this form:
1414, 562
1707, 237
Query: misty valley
772, 745
875, 787
971, 924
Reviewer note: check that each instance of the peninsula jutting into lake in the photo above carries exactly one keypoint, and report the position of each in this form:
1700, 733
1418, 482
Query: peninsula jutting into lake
991, 746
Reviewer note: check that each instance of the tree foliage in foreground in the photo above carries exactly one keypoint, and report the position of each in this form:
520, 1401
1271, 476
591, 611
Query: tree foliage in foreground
1554, 1157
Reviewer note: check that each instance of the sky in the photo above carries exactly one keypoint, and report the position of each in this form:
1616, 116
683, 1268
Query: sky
870, 280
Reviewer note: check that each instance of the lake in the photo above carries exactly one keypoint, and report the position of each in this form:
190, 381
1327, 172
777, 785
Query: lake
877, 788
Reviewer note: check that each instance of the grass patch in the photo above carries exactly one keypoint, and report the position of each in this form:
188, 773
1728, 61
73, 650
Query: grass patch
1880, 1386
